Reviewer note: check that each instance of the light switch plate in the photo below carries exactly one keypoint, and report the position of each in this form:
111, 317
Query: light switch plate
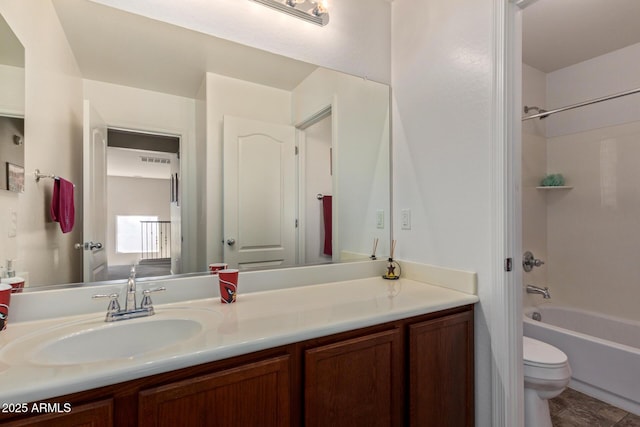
405, 219
380, 218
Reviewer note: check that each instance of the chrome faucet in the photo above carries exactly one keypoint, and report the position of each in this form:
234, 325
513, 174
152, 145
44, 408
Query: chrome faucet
115, 313
532, 289
130, 304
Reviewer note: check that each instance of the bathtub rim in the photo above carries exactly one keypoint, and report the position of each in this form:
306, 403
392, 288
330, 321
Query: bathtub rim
528, 311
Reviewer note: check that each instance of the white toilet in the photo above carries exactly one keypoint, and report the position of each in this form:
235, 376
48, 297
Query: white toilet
546, 375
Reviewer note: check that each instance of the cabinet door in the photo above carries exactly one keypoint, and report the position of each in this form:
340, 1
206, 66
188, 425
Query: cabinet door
441, 371
96, 414
357, 382
255, 394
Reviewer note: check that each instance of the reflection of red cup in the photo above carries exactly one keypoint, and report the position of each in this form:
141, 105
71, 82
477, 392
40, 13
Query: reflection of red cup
228, 280
215, 267
229, 322
5, 296
17, 283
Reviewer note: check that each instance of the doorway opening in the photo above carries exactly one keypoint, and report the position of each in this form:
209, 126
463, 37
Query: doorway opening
143, 203
315, 175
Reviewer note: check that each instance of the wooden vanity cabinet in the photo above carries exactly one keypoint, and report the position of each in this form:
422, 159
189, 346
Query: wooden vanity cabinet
95, 414
441, 371
355, 382
416, 372
255, 394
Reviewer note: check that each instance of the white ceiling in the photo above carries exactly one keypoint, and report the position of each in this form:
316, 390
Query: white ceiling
559, 33
118, 47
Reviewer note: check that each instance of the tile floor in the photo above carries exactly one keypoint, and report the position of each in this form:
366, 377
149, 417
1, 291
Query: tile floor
575, 409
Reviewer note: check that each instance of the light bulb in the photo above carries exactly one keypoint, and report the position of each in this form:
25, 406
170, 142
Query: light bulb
321, 7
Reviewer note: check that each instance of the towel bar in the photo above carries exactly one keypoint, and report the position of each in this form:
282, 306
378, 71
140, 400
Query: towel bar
40, 175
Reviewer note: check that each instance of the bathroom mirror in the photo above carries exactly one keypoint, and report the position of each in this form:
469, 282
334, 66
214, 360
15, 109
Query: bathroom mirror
341, 124
11, 110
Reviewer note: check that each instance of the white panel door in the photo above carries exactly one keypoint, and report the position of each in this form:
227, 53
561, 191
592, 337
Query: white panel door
259, 200
94, 174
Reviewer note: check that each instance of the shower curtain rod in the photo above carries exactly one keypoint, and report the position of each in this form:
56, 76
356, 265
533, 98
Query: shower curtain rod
581, 104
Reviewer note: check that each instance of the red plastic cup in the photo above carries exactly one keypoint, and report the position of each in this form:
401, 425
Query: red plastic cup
217, 266
17, 283
5, 297
228, 280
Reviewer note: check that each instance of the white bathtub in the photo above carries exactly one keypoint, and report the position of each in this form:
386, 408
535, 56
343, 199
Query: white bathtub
603, 351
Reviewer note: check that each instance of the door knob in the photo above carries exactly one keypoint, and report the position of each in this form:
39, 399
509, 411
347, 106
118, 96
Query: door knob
231, 242
88, 246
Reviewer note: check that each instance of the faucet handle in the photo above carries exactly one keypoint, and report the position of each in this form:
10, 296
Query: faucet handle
529, 261
114, 305
146, 296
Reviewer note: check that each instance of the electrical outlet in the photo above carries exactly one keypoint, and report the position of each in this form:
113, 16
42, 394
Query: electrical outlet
380, 218
405, 219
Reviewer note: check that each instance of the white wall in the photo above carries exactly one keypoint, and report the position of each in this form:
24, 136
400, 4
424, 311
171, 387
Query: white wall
318, 180
53, 144
442, 76
226, 95
594, 229
133, 196
360, 116
357, 40
138, 109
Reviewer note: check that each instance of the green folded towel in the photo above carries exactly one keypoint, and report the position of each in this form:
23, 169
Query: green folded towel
552, 180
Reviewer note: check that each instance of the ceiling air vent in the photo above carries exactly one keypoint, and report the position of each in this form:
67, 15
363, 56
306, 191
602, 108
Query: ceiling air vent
160, 160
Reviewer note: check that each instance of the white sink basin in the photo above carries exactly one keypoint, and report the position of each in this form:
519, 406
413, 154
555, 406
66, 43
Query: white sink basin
115, 341
94, 340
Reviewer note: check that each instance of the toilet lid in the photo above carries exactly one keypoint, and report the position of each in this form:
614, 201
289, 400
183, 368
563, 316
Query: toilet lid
538, 353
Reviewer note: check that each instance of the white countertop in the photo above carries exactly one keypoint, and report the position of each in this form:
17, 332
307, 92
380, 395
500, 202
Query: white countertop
257, 321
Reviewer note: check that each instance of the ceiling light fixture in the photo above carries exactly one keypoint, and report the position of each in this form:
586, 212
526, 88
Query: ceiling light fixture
314, 11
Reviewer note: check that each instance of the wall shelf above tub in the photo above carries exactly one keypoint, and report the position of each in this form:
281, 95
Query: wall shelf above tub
555, 187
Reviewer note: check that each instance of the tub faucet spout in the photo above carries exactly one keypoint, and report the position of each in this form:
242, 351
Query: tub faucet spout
532, 289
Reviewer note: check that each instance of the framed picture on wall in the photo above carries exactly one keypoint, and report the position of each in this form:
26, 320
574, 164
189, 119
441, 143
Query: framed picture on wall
15, 178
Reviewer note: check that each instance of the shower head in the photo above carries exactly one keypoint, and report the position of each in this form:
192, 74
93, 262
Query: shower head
538, 109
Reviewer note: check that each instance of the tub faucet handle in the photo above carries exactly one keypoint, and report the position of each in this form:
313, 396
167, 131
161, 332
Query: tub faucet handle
529, 261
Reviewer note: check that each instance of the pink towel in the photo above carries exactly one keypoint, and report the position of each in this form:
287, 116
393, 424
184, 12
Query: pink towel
62, 207
328, 224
